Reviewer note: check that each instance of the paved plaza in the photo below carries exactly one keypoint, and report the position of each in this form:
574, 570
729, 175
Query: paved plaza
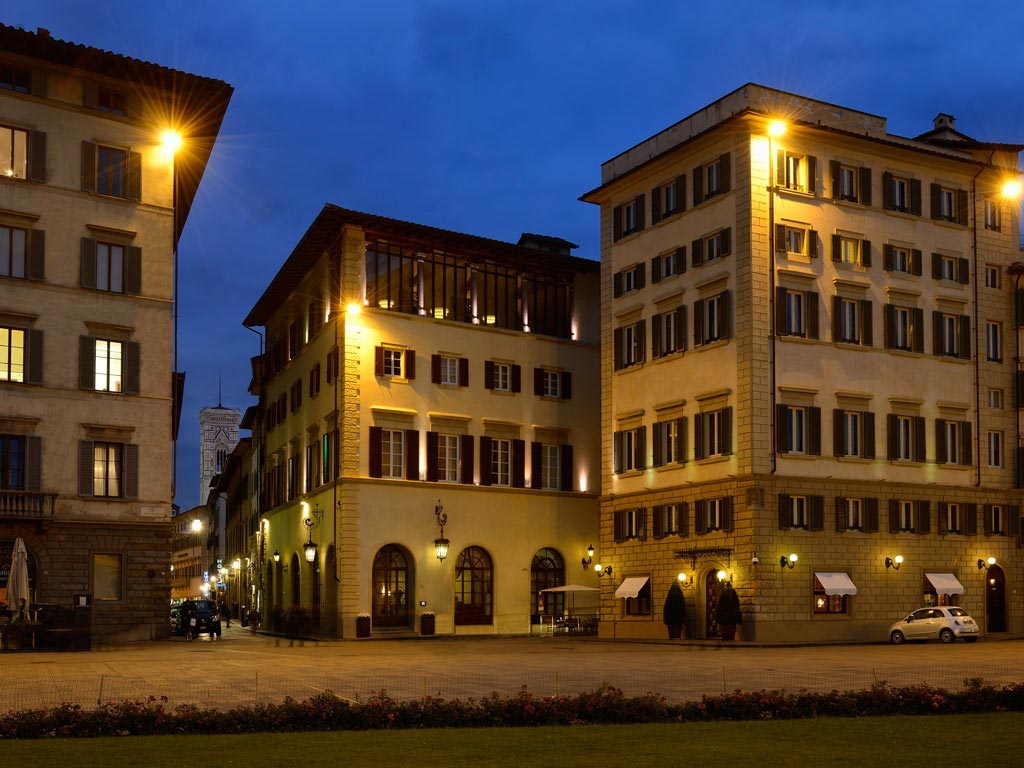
241, 668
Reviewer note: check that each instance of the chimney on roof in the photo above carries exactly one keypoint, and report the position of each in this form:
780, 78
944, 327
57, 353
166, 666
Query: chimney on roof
546, 243
942, 120
42, 32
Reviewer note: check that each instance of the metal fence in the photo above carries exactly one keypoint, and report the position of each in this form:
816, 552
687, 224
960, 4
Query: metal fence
238, 690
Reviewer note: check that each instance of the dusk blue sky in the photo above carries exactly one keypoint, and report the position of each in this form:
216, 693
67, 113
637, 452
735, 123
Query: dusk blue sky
492, 117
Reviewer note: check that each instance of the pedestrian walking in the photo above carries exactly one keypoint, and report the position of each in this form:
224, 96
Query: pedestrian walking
189, 621
225, 613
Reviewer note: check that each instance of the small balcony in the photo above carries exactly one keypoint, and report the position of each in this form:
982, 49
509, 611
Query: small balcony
26, 505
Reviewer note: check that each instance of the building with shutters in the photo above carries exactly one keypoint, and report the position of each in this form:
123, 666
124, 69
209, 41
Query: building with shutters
808, 348
91, 209
420, 384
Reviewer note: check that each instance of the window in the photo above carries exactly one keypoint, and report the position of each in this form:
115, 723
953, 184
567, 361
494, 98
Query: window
995, 449
796, 313
710, 247
293, 477
110, 101
111, 171
905, 516
853, 515
629, 345
711, 179
797, 240
474, 587
825, 603
669, 330
108, 366
997, 517
992, 216
854, 433
630, 524
904, 328
954, 268
393, 453
906, 438
900, 258
798, 512
501, 462
851, 183
712, 433
994, 342
995, 399
111, 168
502, 376
641, 604
851, 250
12, 354
628, 280
796, 172
395, 363
993, 277
712, 515
12, 463
12, 252
550, 467
711, 319
13, 152
448, 458
108, 468
952, 518
628, 218
312, 470
952, 442
901, 193
13, 79
668, 264
952, 335
668, 199
670, 442
669, 521
949, 204
107, 577
449, 370
798, 429
851, 321
629, 450
551, 383
314, 381
328, 456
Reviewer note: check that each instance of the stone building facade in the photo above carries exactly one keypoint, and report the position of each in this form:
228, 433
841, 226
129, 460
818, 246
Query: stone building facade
808, 348
91, 209
218, 436
420, 384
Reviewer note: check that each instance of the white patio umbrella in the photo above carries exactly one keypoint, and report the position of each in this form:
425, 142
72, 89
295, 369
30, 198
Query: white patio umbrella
572, 589
17, 583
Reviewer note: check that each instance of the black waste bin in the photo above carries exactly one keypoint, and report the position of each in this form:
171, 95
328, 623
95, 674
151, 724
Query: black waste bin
426, 623
362, 626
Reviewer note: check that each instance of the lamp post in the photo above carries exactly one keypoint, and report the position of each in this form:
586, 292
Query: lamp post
311, 523
441, 543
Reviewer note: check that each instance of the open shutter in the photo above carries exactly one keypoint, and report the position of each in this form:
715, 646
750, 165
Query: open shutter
680, 321
816, 506
698, 185
518, 463
617, 223
936, 266
962, 207
134, 189
489, 374
725, 314
698, 322
378, 361
680, 193
963, 271
812, 315
616, 351
812, 174
870, 507
641, 448
655, 205
697, 252
785, 515
88, 262
435, 369
656, 270
656, 322
566, 469
964, 327
86, 362
131, 471
726, 241
680, 260
698, 436
36, 254
700, 517
837, 248
917, 331
617, 285
133, 270
412, 453
865, 186
1013, 522
835, 169
915, 197
943, 518
887, 191
866, 323
893, 425
837, 318
840, 514
727, 430
865, 253
937, 333
517, 378
34, 356
887, 258
781, 428
936, 191
727, 514
894, 515
376, 452
971, 518
812, 243
867, 420
463, 371
919, 446
466, 459
85, 467
966, 444
538, 381
409, 359
431, 457
486, 467
780, 237
838, 432
814, 431
535, 465
88, 166
725, 172
567, 385
657, 429
916, 261
923, 521
131, 367
658, 513
36, 156
681, 437
33, 464
641, 214
641, 341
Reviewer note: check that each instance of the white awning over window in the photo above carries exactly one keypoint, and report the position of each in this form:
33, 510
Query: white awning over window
836, 583
945, 583
631, 587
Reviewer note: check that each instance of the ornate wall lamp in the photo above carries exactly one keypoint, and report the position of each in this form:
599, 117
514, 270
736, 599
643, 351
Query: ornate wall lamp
894, 562
589, 558
603, 570
441, 543
986, 564
311, 523
788, 562
685, 580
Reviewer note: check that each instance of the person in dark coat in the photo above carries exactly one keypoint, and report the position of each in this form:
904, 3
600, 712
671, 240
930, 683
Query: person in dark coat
188, 613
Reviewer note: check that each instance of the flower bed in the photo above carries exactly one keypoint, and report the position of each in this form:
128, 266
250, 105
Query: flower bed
327, 712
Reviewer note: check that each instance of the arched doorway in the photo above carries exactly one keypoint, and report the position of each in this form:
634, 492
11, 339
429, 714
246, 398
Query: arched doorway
546, 571
995, 599
330, 593
392, 585
711, 602
474, 587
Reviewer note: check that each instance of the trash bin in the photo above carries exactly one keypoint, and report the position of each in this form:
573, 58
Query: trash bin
362, 626
426, 623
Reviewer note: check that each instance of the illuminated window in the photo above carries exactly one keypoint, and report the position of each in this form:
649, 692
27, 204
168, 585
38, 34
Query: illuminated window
111, 171
13, 152
825, 603
393, 453
449, 370
108, 371
501, 462
854, 514
108, 462
12, 354
448, 458
630, 524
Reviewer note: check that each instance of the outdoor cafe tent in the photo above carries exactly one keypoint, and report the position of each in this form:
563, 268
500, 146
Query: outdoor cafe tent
572, 589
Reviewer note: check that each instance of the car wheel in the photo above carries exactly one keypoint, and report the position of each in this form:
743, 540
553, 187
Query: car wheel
947, 636
970, 639
897, 638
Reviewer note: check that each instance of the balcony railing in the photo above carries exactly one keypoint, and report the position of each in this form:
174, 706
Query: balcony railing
26, 504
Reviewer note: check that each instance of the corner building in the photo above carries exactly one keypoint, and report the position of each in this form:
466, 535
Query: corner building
91, 209
808, 348
410, 371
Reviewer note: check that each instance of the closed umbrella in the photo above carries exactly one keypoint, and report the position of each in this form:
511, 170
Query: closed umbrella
17, 584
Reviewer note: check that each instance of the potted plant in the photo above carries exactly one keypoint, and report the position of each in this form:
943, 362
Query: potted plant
674, 613
727, 612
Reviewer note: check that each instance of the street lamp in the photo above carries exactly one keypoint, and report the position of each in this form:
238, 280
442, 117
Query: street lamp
441, 543
309, 548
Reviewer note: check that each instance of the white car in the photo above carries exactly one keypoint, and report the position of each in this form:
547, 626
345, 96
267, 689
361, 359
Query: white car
946, 623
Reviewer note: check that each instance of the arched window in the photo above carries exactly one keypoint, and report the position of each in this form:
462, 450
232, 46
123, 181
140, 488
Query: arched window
546, 571
222, 456
474, 587
392, 580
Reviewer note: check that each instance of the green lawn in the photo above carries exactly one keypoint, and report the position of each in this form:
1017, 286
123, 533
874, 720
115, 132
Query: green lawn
947, 741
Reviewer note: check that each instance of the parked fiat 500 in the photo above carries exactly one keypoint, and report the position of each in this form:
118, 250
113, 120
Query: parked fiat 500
946, 624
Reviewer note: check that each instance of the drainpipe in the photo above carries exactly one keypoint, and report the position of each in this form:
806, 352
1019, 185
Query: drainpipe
771, 304
977, 351
1016, 269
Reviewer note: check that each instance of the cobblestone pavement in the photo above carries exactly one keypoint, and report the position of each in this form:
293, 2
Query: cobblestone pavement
241, 668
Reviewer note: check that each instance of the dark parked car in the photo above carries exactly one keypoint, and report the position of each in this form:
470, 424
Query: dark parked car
207, 617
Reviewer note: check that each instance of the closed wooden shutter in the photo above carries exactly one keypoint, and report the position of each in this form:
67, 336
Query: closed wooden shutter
887, 257
840, 513
700, 517
34, 356
916, 262
656, 269
538, 381
640, 275
867, 420
657, 428
641, 216
936, 191
88, 166
838, 432
566, 468
870, 507
133, 270
33, 464
658, 514
518, 463
964, 328
962, 206
134, 187
466, 459
412, 453
656, 322
618, 525
816, 510
814, 431
727, 430
131, 367
698, 185
917, 329
131, 471
943, 518
681, 440
966, 443
86, 362
376, 452
780, 237
865, 186
616, 349
86, 463
893, 443
463, 371
680, 260
727, 513
88, 262
725, 314
887, 181
641, 523
1013, 522
535, 465
812, 174
919, 446
865, 253
894, 515
517, 378
680, 321
641, 448
431, 457
835, 170
698, 436
36, 254
37, 83
915, 197
812, 315
486, 466
785, 515
566, 385
725, 171
923, 517
378, 361
617, 223
409, 358
937, 334
698, 322
617, 285
36, 170
866, 323
963, 272
837, 318
837, 248
726, 241
655, 205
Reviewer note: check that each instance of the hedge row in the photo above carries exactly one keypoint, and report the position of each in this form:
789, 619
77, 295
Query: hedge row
327, 712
